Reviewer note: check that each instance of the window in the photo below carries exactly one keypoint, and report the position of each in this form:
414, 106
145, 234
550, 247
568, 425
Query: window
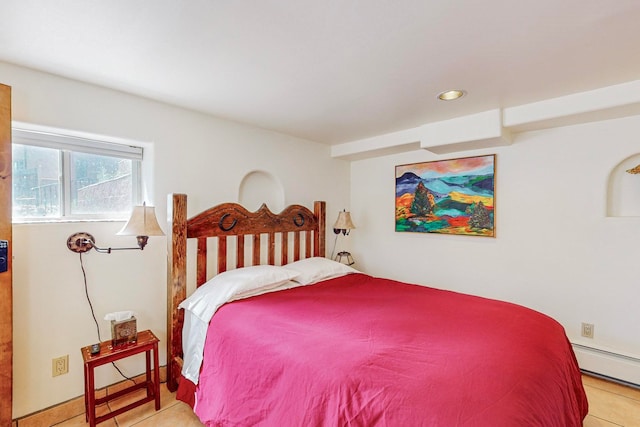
58, 177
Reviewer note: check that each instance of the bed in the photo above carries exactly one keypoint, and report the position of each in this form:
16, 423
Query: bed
292, 338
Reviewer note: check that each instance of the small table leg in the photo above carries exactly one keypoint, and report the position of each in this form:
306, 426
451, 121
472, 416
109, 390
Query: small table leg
86, 392
91, 399
148, 373
156, 375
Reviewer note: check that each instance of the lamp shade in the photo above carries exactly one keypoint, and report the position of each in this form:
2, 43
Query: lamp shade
143, 222
344, 221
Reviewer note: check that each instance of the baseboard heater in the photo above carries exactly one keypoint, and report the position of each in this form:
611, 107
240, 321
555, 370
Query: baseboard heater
608, 364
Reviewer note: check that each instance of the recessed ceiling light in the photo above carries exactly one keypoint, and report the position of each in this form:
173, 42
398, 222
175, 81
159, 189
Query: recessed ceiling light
450, 95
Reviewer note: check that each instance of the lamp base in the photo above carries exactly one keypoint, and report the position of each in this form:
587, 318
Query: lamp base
80, 242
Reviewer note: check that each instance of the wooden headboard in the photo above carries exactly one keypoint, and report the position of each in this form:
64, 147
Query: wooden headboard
265, 235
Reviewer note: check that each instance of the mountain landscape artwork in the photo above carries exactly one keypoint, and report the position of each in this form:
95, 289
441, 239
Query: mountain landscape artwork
455, 196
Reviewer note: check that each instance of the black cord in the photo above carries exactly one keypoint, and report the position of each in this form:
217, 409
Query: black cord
86, 292
334, 245
93, 314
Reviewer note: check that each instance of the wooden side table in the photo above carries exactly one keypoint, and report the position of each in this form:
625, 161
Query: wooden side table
147, 342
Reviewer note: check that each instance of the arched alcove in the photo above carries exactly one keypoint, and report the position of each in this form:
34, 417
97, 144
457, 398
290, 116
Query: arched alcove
258, 187
623, 189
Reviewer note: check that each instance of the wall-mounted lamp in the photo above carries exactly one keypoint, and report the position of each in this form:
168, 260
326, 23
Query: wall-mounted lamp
142, 224
343, 225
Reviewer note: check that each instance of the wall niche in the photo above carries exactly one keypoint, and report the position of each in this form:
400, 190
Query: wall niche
623, 188
258, 187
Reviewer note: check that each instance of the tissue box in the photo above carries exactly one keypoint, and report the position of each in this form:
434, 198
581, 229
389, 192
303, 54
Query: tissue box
123, 332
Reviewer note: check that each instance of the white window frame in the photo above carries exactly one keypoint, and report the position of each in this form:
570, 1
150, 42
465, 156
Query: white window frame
71, 141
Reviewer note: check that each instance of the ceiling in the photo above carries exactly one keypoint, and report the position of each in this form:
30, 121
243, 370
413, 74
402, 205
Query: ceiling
332, 71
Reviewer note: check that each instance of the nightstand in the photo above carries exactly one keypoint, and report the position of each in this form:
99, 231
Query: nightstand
146, 342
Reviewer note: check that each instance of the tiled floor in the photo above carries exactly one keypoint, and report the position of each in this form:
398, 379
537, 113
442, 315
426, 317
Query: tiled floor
172, 413
610, 405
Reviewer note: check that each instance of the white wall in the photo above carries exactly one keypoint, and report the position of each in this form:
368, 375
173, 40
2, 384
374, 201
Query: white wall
195, 154
555, 250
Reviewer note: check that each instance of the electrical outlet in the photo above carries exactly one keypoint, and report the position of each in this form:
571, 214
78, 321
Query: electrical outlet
60, 365
587, 330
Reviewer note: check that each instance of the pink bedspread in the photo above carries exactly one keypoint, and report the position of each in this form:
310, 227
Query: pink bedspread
364, 351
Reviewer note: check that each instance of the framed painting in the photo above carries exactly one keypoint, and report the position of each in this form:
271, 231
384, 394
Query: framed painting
455, 196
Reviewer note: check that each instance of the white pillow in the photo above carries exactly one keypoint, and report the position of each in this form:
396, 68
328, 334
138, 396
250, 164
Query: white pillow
235, 284
312, 270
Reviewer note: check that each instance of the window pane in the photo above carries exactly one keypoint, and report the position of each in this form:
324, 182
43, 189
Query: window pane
36, 182
66, 177
100, 184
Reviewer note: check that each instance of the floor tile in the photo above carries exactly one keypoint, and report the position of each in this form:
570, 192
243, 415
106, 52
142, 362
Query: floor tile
79, 421
592, 421
613, 407
56, 414
179, 414
142, 412
612, 387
